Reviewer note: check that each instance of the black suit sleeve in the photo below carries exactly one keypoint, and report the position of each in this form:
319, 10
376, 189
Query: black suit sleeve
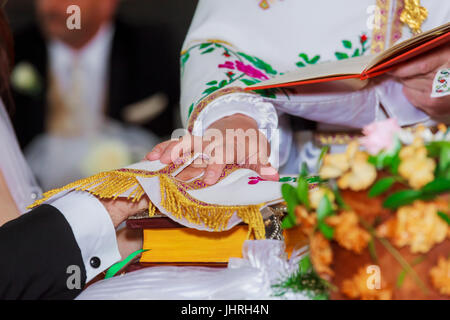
35, 252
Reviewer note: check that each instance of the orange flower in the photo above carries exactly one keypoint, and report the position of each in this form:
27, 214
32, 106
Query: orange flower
358, 287
440, 276
321, 255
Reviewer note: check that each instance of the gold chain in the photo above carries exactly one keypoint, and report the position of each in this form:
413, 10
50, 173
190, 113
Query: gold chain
414, 15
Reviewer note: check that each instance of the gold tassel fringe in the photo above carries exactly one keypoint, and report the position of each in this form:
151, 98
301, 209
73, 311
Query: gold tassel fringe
110, 185
213, 216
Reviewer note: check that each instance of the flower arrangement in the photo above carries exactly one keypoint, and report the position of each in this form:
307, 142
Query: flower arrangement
379, 220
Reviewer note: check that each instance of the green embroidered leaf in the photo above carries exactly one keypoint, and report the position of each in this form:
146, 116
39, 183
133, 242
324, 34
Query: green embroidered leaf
211, 83
191, 108
210, 90
444, 217
300, 64
260, 64
208, 50
347, 44
326, 230
205, 45
402, 198
315, 59
249, 82
341, 55
184, 58
356, 53
304, 56
381, 186
285, 179
223, 83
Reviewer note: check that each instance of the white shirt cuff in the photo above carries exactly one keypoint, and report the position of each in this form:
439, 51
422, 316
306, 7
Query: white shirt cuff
264, 113
93, 231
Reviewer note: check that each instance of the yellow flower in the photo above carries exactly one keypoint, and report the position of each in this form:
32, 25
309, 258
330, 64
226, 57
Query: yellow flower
352, 168
315, 196
440, 276
357, 287
417, 225
415, 166
321, 255
347, 231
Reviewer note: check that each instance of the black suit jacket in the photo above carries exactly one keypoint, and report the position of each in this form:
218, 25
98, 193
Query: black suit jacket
141, 64
35, 252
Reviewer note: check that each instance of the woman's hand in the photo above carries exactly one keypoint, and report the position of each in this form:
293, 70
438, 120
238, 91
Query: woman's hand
233, 139
417, 77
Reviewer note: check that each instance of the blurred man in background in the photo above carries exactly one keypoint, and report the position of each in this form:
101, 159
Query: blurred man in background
78, 90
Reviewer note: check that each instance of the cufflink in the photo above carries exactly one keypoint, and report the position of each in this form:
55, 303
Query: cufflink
95, 262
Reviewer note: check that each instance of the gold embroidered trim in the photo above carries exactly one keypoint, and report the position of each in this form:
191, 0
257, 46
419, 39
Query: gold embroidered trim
194, 42
380, 26
397, 24
207, 100
414, 15
174, 198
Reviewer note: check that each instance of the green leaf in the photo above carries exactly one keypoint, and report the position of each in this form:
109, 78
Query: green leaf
304, 172
339, 200
305, 265
437, 186
444, 217
287, 223
290, 196
325, 208
223, 83
303, 191
300, 64
341, 55
326, 230
205, 45
208, 50
347, 44
444, 159
381, 186
323, 152
212, 83
402, 198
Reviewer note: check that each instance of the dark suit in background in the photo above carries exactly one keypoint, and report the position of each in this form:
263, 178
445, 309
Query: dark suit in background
141, 64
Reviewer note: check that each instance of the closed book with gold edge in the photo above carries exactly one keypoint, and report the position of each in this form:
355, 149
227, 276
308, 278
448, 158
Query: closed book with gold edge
170, 243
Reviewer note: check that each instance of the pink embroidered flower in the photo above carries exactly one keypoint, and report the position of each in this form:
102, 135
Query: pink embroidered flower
250, 71
255, 180
227, 65
380, 135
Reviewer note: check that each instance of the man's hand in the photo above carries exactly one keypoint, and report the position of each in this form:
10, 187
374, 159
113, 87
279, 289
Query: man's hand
417, 78
233, 139
121, 209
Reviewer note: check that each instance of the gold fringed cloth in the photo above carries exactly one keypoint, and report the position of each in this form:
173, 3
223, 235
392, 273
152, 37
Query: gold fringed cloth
238, 196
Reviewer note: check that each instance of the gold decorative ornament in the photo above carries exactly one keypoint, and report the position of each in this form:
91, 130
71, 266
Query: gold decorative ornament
414, 15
